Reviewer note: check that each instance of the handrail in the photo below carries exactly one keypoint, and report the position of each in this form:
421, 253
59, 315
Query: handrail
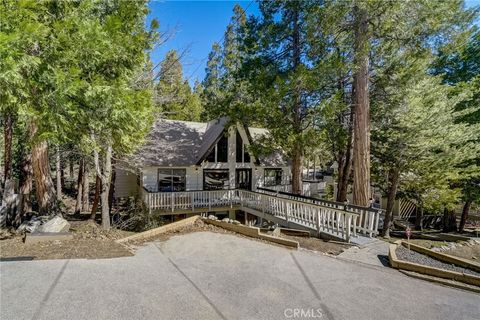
369, 217
346, 205
311, 215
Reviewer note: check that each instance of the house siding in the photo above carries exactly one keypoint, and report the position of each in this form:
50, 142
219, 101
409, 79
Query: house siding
125, 183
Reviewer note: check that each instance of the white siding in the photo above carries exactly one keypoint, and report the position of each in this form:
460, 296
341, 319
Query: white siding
258, 178
194, 178
125, 183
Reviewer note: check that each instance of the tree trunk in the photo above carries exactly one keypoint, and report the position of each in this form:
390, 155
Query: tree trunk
78, 204
449, 220
96, 200
107, 172
8, 138
465, 211
86, 187
297, 156
59, 174
62, 178
111, 191
70, 167
297, 170
393, 180
346, 168
44, 187
419, 218
361, 126
105, 177
26, 185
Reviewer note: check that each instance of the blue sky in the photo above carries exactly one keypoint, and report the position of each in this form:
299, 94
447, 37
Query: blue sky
196, 26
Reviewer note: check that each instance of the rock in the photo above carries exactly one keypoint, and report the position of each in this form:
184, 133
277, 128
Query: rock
276, 232
236, 222
227, 220
56, 224
212, 217
29, 226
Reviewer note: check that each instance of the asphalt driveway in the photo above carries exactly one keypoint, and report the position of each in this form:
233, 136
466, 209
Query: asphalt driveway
220, 276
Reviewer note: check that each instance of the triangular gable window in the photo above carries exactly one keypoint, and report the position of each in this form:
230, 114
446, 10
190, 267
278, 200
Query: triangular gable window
219, 153
242, 154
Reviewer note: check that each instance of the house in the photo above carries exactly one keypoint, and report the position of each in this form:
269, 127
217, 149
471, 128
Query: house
188, 156
187, 168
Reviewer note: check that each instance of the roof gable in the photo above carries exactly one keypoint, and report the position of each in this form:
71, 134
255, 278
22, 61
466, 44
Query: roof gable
184, 143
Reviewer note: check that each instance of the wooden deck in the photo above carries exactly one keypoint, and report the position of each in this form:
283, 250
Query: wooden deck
288, 212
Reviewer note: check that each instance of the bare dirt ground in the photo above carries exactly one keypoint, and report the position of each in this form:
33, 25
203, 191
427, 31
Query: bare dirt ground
198, 226
315, 244
89, 242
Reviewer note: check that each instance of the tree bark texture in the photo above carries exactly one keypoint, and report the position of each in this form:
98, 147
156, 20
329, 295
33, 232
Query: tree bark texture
26, 184
8, 138
44, 187
58, 167
449, 220
297, 156
86, 187
96, 200
465, 212
78, 204
393, 180
361, 131
345, 164
419, 218
105, 176
111, 191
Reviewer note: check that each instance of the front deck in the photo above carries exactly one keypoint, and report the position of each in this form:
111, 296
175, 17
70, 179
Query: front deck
320, 218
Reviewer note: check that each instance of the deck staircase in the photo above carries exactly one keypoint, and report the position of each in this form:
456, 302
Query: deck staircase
351, 224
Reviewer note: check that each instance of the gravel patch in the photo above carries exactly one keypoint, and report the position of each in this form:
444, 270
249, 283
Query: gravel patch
415, 257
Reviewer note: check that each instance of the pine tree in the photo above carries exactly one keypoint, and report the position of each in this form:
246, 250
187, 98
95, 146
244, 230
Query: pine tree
461, 68
276, 69
175, 98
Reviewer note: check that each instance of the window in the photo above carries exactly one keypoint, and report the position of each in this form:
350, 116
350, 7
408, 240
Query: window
222, 149
272, 177
170, 180
219, 153
242, 154
215, 179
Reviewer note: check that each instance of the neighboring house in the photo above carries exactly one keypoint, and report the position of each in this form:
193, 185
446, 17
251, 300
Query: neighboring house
187, 156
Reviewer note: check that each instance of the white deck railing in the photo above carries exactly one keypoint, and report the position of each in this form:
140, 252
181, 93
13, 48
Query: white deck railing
368, 219
335, 221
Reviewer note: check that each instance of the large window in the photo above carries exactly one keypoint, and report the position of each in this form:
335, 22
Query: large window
242, 154
272, 177
215, 179
171, 180
220, 152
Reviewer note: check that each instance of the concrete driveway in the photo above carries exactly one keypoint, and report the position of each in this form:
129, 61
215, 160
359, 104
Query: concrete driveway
218, 276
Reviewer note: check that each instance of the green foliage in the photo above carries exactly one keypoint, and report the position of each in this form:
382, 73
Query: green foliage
461, 69
175, 98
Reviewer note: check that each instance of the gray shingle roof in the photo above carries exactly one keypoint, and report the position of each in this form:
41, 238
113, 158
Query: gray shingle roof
184, 143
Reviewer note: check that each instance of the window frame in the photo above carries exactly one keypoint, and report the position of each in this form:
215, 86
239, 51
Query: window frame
173, 185
277, 178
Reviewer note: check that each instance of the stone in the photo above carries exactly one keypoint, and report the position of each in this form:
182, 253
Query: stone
32, 225
227, 220
56, 224
212, 217
236, 222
